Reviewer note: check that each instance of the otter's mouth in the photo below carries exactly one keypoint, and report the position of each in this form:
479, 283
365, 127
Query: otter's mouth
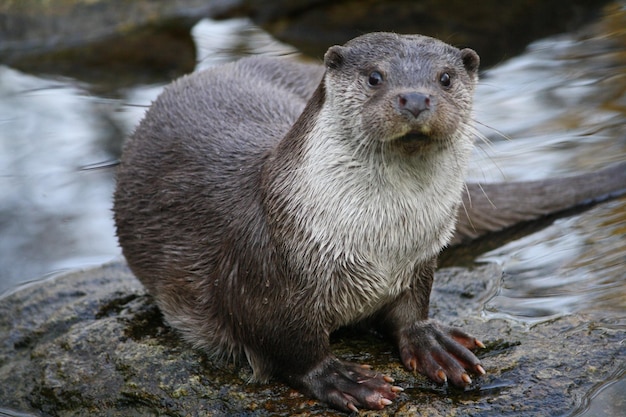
414, 137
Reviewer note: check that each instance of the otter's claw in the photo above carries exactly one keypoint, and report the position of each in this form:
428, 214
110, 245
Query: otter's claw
442, 353
348, 386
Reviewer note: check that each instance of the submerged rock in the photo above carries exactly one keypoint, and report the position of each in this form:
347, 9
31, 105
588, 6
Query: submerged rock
94, 342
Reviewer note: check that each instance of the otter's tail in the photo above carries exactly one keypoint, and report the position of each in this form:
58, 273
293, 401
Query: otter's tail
497, 206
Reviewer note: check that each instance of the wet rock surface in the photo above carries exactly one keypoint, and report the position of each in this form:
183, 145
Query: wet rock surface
94, 342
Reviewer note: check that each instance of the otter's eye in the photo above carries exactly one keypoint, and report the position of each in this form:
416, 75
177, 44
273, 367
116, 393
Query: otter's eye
444, 79
375, 78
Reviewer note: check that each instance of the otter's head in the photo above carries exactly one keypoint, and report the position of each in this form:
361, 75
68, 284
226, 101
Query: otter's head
405, 88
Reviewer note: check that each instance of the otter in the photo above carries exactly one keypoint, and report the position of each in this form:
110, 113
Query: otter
263, 217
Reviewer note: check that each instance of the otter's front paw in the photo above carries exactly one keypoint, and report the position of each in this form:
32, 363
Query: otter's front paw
440, 352
348, 387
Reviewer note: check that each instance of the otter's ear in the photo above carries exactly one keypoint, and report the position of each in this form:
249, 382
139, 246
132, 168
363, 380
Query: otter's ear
334, 57
471, 60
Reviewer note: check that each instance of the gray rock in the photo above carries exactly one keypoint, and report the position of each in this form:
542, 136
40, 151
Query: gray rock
28, 26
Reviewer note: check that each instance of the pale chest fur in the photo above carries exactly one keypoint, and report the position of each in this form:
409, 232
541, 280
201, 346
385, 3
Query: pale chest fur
365, 223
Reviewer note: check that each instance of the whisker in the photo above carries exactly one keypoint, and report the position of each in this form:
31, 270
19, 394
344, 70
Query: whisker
483, 139
486, 196
467, 215
469, 196
498, 132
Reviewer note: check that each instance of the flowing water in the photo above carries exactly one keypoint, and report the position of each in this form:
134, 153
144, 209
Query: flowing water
557, 109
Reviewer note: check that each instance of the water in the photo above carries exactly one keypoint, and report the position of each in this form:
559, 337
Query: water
557, 109
54, 212
575, 265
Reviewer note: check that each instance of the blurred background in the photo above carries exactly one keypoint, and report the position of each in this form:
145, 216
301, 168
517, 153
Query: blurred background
76, 77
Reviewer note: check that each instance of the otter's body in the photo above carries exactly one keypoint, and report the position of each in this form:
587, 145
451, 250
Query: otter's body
261, 220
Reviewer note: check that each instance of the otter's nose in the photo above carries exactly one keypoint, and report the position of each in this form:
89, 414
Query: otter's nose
414, 103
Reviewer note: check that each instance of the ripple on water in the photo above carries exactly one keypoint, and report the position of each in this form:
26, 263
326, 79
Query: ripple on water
575, 265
